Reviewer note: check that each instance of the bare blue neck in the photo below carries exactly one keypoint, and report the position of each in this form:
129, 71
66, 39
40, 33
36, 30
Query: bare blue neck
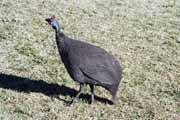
56, 26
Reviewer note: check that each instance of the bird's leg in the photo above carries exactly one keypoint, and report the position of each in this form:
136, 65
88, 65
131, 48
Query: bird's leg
79, 92
113, 99
92, 93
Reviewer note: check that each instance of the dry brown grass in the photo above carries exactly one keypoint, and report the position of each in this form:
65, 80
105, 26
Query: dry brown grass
144, 35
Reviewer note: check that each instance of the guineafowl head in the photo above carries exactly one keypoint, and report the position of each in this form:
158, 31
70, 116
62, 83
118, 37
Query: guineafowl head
54, 23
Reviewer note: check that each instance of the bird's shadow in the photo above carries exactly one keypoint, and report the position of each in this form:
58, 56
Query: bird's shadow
26, 85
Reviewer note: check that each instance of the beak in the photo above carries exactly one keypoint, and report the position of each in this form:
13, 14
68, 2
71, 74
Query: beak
48, 20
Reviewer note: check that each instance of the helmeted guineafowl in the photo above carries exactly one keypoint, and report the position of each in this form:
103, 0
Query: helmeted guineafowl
87, 64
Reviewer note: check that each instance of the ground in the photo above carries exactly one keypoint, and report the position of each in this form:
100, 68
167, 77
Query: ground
144, 35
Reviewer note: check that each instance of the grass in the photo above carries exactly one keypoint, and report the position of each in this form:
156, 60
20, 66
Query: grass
142, 34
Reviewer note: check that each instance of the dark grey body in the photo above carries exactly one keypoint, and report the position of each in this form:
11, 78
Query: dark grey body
89, 64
